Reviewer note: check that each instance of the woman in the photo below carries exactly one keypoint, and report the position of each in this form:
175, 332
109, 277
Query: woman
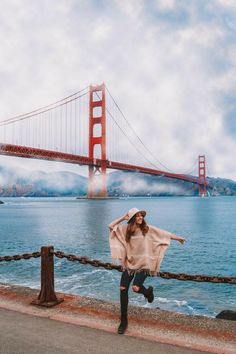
140, 248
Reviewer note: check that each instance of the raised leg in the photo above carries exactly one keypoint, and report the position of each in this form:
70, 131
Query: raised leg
138, 286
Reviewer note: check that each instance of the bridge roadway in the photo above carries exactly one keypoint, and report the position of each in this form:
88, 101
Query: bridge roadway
35, 153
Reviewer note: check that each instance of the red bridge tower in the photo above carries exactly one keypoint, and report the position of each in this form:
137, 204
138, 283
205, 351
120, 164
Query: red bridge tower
97, 116
202, 175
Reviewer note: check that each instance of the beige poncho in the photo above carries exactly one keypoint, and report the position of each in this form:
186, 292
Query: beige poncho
142, 252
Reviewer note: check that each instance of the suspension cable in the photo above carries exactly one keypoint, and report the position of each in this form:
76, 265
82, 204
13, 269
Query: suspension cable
191, 169
208, 169
125, 133
135, 131
14, 120
30, 114
150, 152
129, 139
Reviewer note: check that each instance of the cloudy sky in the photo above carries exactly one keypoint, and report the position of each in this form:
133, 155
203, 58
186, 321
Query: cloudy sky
170, 64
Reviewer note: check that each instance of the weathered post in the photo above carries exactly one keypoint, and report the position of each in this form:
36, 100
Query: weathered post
47, 296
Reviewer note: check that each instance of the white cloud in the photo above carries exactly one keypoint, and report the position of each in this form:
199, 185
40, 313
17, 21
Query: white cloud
132, 186
227, 3
165, 4
169, 75
132, 8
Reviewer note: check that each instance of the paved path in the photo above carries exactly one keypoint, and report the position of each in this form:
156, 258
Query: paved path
24, 334
88, 325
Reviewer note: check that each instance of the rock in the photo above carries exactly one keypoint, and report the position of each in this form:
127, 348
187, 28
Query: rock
1, 202
227, 315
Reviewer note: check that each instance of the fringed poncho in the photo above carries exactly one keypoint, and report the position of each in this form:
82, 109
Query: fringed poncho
142, 252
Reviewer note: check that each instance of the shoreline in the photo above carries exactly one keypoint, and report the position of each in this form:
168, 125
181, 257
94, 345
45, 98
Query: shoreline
189, 331
115, 197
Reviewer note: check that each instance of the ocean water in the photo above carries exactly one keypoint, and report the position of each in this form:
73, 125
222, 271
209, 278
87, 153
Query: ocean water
80, 227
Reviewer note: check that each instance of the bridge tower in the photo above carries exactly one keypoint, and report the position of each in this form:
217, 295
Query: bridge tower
97, 117
202, 175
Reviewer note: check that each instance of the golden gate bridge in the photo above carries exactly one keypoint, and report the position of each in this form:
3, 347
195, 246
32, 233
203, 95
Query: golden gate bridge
87, 128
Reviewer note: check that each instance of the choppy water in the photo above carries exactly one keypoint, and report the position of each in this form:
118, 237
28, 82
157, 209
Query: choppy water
80, 227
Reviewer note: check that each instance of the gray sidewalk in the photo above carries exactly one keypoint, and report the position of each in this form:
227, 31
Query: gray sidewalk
90, 325
27, 334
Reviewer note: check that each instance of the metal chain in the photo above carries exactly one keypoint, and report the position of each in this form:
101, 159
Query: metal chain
18, 257
110, 266
86, 260
166, 275
198, 277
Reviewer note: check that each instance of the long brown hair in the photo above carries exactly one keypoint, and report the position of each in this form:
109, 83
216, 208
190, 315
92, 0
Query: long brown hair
132, 227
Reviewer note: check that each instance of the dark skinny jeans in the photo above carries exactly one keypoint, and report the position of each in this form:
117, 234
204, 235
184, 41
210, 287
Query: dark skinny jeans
125, 281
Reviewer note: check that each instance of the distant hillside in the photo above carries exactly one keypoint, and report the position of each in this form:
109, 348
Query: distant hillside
18, 183
136, 184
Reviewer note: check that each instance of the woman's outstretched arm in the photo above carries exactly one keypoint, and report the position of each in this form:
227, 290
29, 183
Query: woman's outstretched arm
117, 221
178, 238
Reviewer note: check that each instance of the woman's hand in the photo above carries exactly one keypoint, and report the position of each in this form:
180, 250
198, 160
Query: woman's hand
178, 238
181, 240
116, 222
125, 216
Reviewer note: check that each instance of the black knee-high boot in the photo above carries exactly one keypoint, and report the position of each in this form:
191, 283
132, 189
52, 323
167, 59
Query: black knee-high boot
124, 299
147, 292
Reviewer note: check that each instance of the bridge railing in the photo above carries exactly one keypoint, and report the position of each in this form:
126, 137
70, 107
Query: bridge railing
47, 296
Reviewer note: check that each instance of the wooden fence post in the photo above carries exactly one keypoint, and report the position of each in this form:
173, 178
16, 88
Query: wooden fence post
47, 296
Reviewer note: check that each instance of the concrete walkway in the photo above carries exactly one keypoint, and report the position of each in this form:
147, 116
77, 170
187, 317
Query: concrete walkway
24, 334
89, 325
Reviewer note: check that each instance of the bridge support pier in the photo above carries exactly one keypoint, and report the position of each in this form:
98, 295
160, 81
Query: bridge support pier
97, 119
202, 175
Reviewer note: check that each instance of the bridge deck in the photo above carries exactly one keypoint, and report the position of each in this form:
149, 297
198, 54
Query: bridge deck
28, 152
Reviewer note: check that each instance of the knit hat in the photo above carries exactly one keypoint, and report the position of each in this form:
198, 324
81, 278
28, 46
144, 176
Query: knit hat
134, 211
